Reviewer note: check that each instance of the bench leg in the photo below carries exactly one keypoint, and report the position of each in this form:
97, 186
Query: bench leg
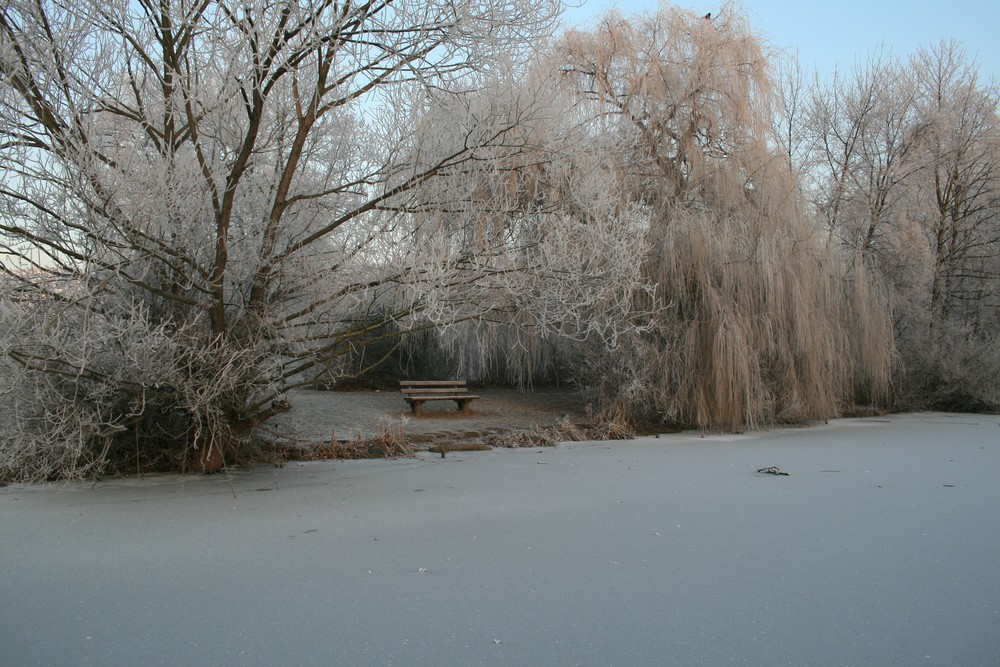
463, 405
418, 408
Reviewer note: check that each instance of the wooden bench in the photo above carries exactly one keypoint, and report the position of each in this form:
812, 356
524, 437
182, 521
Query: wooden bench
416, 392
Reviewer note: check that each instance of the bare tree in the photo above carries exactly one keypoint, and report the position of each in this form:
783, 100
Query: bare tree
959, 194
791, 114
906, 178
865, 127
251, 182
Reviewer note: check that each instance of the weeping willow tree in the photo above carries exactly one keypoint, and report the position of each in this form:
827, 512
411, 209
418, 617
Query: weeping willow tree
764, 321
551, 246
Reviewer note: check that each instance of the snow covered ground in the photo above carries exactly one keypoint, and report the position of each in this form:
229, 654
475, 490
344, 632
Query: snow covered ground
881, 547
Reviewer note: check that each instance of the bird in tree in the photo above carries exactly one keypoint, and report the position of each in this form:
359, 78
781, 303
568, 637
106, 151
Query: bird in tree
708, 16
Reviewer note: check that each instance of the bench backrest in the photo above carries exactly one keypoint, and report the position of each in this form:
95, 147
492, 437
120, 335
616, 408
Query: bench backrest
431, 387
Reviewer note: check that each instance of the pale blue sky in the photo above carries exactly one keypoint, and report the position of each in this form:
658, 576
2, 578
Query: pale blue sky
828, 34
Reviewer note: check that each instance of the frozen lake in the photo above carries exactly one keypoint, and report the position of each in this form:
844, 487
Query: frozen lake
881, 547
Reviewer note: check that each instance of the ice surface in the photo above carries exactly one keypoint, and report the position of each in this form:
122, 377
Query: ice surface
881, 547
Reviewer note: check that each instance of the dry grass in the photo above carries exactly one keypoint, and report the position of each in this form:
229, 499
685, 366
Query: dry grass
541, 437
609, 423
612, 422
390, 439
388, 442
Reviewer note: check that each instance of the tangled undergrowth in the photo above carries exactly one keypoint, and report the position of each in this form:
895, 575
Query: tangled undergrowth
609, 423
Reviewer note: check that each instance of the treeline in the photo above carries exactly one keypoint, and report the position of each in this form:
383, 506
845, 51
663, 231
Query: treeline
206, 206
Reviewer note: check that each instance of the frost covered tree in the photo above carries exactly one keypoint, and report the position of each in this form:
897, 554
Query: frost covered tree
555, 205
865, 128
206, 202
763, 325
948, 280
958, 197
905, 173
